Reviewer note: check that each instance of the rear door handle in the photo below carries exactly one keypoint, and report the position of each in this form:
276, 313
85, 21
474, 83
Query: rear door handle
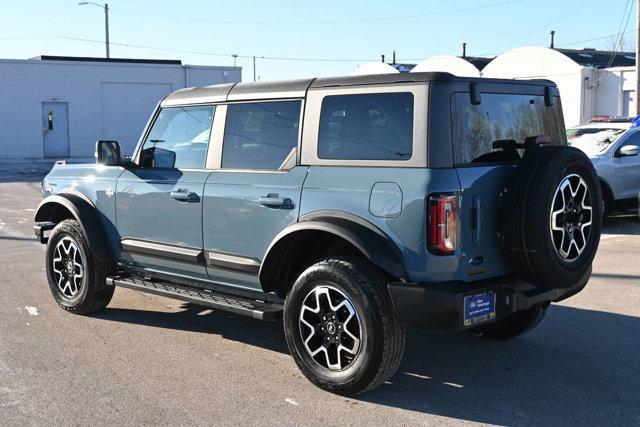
274, 200
184, 195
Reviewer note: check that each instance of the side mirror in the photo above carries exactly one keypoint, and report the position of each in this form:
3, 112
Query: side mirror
629, 150
108, 153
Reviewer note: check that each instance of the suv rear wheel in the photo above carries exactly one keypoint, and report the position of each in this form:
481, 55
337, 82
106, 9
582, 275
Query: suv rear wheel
77, 280
341, 328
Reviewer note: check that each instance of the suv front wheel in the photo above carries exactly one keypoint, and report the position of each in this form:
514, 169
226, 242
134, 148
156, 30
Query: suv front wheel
341, 328
76, 278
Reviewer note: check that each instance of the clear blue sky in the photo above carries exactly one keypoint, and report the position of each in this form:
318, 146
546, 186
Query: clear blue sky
355, 31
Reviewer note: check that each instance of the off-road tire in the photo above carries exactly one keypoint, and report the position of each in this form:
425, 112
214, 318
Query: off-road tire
515, 324
525, 216
383, 337
94, 294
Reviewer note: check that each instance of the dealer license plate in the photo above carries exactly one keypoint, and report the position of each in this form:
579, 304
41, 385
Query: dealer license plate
479, 308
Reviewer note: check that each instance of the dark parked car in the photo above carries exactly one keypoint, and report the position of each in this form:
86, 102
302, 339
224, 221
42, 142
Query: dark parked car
349, 206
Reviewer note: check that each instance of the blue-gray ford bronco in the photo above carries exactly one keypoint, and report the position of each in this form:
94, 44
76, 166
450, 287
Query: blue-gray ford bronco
349, 207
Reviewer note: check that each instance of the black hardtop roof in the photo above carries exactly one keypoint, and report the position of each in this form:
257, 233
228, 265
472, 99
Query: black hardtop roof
298, 88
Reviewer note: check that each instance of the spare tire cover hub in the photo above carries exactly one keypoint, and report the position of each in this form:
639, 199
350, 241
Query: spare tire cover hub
571, 217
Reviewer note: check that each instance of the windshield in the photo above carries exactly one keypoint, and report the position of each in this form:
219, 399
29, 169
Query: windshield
593, 141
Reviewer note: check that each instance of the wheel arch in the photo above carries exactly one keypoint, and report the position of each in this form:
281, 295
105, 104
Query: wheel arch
298, 244
69, 205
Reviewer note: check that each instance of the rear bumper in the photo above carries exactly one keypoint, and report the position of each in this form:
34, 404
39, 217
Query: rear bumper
440, 305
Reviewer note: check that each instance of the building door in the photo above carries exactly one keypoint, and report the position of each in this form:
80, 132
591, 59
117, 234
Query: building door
55, 127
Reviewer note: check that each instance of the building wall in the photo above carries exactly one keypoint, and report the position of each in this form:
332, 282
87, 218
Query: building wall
616, 92
105, 100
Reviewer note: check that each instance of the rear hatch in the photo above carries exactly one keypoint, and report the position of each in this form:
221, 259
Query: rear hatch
484, 169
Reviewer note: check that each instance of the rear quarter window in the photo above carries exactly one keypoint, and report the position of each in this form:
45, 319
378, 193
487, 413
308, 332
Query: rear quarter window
366, 127
499, 117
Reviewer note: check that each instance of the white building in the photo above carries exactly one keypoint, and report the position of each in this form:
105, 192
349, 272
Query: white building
58, 107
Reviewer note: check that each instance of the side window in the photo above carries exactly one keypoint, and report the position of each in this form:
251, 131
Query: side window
260, 135
179, 138
366, 127
633, 139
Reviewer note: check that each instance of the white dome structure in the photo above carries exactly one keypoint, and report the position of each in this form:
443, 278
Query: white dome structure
449, 64
530, 62
543, 63
374, 68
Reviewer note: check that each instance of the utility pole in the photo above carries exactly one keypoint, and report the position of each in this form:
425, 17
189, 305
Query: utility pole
106, 27
254, 68
637, 58
104, 6
235, 57
553, 36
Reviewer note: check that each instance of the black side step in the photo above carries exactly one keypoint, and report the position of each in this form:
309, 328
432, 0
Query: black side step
248, 307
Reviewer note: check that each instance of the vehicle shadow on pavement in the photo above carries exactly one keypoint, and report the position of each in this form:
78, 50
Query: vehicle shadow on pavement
578, 366
196, 318
624, 224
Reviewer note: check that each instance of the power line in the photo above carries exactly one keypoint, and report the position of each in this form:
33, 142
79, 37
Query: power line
621, 31
273, 58
333, 22
543, 26
596, 39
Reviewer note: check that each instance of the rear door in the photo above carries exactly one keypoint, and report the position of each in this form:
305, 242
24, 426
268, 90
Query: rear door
484, 171
254, 192
159, 202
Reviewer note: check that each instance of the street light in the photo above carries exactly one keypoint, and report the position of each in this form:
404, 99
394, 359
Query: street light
106, 20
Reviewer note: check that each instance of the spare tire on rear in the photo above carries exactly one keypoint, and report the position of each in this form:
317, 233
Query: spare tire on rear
551, 217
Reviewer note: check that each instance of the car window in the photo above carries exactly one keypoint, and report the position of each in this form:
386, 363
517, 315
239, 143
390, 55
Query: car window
178, 138
633, 139
475, 128
366, 127
260, 135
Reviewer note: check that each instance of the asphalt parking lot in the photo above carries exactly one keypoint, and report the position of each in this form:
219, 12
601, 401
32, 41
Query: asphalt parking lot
146, 359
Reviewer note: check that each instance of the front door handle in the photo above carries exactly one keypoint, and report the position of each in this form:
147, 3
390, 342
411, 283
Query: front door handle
274, 200
184, 195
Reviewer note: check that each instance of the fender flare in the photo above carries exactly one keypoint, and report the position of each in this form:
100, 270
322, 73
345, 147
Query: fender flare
83, 211
372, 242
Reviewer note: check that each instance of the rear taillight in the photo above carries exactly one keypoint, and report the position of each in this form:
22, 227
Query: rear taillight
442, 223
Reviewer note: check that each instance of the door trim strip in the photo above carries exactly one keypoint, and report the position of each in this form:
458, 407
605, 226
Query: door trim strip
233, 262
161, 250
